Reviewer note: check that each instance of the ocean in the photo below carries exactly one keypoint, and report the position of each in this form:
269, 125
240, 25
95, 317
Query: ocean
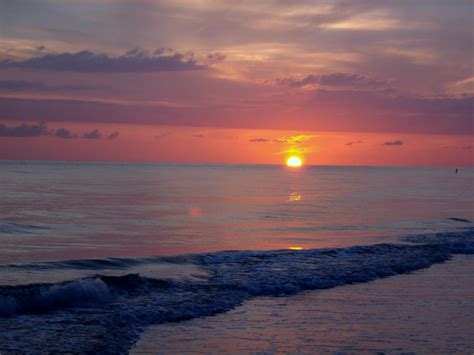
94, 254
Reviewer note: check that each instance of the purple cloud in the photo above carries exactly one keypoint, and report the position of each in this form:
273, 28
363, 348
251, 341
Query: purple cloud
356, 111
393, 143
95, 134
215, 58
296, 83
24, 130
41, 129
345, 79
64, 133
90, 62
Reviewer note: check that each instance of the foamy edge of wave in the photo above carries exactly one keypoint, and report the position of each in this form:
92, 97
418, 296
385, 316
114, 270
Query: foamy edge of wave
126, 304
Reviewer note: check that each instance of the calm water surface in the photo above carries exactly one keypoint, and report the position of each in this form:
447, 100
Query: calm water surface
58, 210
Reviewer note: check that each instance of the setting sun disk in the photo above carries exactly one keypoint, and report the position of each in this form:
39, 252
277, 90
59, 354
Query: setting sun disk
294, 162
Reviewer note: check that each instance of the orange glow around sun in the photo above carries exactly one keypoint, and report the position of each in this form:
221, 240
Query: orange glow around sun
294, 162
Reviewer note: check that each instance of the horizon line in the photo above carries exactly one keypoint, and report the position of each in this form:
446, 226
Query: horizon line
111, 162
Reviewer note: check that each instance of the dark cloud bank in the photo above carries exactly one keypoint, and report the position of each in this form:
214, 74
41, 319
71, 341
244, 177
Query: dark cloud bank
41, 129
132, 61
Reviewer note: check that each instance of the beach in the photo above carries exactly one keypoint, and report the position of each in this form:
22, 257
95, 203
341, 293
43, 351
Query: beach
428, 311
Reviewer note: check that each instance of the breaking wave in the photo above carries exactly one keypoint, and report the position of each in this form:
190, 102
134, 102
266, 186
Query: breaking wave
112, 310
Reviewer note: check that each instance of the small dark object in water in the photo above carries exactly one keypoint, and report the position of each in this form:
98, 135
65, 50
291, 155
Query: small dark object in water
456, 171
459, 220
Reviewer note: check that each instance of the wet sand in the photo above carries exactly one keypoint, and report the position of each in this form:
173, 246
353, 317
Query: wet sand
428, 311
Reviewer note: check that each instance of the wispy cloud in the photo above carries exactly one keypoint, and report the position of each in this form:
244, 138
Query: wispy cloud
353, 142
297, 139
463, 87
299, 82
296, 144
333, 79
22, 85
259, 140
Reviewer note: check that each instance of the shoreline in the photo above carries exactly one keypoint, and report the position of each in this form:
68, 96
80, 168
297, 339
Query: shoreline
425, 311
112, 310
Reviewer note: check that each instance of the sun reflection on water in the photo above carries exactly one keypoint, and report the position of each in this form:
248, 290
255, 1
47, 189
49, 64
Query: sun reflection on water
294, 197
295, 248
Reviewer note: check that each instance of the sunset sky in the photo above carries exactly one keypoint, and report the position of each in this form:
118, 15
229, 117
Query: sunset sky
360, 82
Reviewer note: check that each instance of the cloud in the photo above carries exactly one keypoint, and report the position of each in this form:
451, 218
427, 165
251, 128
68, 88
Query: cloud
333, 80
384, 112
41, 129
282, 140
296, 83
22, 85
345, 79
259, 140
463, 87
215, 58
132, 61
393, 143
353, 142
316, 110
94, 134
24, 130
298, 139
64, 133
113, 135
295, 144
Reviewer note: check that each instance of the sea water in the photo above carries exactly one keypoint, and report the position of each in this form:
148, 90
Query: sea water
93, 253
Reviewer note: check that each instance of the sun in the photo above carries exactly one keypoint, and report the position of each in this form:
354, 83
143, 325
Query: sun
294, 162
